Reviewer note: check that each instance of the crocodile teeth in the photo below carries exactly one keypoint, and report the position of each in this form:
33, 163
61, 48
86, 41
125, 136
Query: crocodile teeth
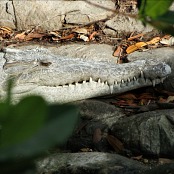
122, 81
84, 82
162, 80
142, 74
99, 81
153, 82
106, 83
135, 78
90, 79
102, 83
111, 88
115, 82
128, 80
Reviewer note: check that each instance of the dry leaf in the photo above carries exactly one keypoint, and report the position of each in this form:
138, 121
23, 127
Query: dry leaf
135, 47
115, 143
138, 45
170, 99
84, 38
54, 33
86, 149
135, 37
5, 30
21, 36
161, 100
91, 37
128, 96
70, 36
118, 52
137, 157
169, 41
97, 136
146, 95
165, 161
31, 36
80, 30
131, 49
154, 40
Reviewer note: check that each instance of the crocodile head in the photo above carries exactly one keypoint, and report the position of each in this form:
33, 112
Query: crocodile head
62, 79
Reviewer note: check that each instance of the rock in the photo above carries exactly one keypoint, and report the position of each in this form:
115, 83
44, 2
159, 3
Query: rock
122, 24
87, 163
99, 111
109, 31
96, 118
50, 15
162, 169
149, 133
7, 14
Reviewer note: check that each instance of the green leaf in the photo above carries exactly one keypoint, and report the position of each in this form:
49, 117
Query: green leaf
167, 18
154, 8
164, 23
23, 120
56, 130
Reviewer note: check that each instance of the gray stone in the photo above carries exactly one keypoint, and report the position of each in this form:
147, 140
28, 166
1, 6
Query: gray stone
162, 169
109, 31
94, 115
7, 14
122, 24
100, 111
89, 163
50, 15
149, 133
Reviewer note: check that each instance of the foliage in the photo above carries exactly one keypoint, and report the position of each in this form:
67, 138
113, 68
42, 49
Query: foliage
29, 128
157, 13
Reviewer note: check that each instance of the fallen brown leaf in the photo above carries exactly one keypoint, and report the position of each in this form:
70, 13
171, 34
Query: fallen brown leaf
118, 52
80, 30
91, 37
135, 47
127, 96
137, 157
86, 149
139, 45
5, 30
70, 36
169, 41
31, 36
165, 160
170, 99
21, 36
146, 96
154, 40
97, 136
135, 37
115, 143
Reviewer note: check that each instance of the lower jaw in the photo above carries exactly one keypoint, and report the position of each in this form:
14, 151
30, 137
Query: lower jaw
65, 94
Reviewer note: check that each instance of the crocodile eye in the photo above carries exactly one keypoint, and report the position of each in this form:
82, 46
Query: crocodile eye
45, 63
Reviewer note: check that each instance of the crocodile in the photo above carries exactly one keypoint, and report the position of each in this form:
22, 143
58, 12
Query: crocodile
65, 79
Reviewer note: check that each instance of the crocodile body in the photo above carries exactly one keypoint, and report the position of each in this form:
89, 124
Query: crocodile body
62, 79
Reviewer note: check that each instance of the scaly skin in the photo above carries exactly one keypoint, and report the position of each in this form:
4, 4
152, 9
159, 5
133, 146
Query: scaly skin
60, 79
